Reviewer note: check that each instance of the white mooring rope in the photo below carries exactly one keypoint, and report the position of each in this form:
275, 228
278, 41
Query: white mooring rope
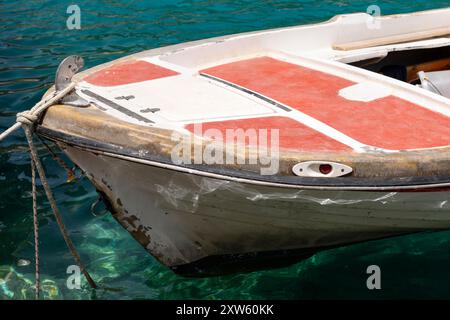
26, 120
36, 110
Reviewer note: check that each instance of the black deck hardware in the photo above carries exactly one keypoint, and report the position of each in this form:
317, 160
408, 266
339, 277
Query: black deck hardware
116, 106
248, 91
152, 110
125, 97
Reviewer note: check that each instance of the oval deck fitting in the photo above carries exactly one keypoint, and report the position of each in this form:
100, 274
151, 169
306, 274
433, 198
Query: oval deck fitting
320, 169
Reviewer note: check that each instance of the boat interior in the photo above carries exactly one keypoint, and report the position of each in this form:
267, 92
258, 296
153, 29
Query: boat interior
426, 68
412, 48
396, 76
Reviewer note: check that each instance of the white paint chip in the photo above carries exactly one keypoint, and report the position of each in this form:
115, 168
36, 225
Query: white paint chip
365, 92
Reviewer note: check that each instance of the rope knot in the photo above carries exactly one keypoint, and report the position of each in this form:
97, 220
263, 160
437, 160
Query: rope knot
26, 118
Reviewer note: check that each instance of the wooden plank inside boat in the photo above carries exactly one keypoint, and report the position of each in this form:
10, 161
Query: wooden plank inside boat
430, 66
395, 39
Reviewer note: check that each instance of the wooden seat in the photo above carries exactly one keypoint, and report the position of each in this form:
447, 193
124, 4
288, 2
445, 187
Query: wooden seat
394, 39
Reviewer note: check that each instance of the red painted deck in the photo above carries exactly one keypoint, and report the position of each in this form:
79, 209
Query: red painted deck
390, 122
292, 134
128, 72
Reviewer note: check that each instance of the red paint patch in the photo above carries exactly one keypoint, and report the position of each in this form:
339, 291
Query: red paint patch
292, 134
128, 72
390, 122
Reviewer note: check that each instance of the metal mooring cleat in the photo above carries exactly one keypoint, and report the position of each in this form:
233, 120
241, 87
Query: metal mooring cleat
66, 70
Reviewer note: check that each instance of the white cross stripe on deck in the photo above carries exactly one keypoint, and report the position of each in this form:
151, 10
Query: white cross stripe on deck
365, 92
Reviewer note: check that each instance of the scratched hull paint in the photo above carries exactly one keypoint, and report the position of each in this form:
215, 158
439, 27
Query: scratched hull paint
182, 218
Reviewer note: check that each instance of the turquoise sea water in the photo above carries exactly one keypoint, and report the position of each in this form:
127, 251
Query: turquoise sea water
34, 39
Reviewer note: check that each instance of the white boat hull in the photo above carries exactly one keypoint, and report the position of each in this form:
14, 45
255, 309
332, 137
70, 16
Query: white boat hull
183, 218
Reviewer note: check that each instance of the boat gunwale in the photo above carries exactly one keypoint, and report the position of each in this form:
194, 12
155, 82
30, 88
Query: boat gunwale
395, 184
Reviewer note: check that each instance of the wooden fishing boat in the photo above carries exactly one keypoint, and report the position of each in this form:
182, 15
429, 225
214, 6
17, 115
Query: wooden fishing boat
262, 148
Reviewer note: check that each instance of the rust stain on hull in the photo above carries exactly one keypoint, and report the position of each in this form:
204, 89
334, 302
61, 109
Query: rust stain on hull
128, 221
